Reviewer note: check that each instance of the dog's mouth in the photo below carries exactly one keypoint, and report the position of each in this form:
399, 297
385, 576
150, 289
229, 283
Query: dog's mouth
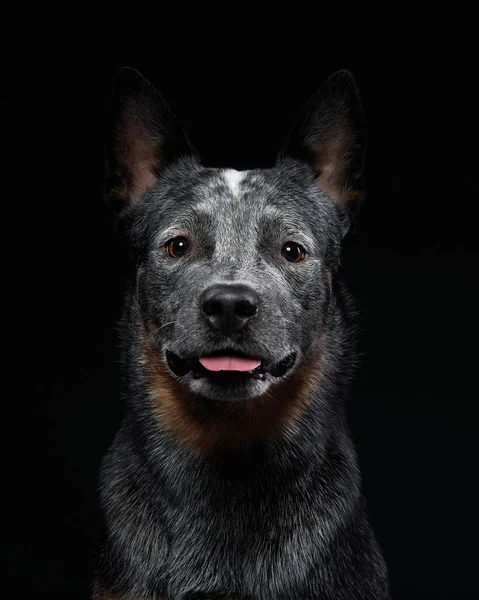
229, 365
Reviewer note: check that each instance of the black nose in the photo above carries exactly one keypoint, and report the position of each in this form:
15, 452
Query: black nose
228, 308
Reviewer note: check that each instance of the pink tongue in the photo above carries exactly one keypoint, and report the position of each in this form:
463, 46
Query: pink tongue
229, 363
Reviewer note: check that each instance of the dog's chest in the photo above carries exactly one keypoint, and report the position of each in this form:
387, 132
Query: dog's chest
260, 548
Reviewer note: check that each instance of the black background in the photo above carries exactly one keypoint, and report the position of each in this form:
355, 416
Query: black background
235, 77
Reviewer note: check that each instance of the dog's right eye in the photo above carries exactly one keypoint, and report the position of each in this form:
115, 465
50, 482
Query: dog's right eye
176, 247
293, 252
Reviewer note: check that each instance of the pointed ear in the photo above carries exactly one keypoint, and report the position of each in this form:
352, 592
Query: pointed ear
329, 135
143, 137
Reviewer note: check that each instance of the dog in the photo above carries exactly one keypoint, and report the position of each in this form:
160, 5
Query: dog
233, 475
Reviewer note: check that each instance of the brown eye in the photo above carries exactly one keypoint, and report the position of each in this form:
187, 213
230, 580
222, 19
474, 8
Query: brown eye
176, 247
293, 252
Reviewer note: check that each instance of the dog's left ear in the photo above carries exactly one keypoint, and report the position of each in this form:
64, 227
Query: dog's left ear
329, 135
143, 138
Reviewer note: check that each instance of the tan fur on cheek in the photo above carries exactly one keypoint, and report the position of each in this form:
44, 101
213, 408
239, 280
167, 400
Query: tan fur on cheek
206, 424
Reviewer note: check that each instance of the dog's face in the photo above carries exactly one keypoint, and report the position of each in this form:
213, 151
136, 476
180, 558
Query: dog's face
234, 268
236, 265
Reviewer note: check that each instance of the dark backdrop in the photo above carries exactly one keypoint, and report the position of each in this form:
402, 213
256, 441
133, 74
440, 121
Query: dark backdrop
235, 78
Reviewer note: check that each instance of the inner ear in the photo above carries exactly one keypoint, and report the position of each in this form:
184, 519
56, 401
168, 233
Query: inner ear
143, 138
329, 135
138, 162
328, 160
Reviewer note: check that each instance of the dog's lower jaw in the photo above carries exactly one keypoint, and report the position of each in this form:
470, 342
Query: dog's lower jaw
208, 419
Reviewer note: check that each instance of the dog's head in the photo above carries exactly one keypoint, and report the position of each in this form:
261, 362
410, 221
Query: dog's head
234, 269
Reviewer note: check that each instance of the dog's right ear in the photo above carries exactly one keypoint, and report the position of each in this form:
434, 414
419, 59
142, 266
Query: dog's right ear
329, 135
143, 137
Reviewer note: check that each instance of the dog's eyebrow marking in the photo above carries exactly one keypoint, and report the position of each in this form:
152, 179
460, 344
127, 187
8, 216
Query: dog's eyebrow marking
168, 233
291, 228
233, 179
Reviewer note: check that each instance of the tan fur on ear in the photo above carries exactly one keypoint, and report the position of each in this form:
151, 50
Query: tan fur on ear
330, 164
138, 160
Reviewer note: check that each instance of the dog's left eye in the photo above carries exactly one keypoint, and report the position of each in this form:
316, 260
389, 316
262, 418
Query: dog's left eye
293, 252
176, 247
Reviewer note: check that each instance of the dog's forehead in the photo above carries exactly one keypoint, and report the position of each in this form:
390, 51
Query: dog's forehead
226, 190
231, 206
248, 195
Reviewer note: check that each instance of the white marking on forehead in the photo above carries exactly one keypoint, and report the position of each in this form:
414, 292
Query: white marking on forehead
233, 178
